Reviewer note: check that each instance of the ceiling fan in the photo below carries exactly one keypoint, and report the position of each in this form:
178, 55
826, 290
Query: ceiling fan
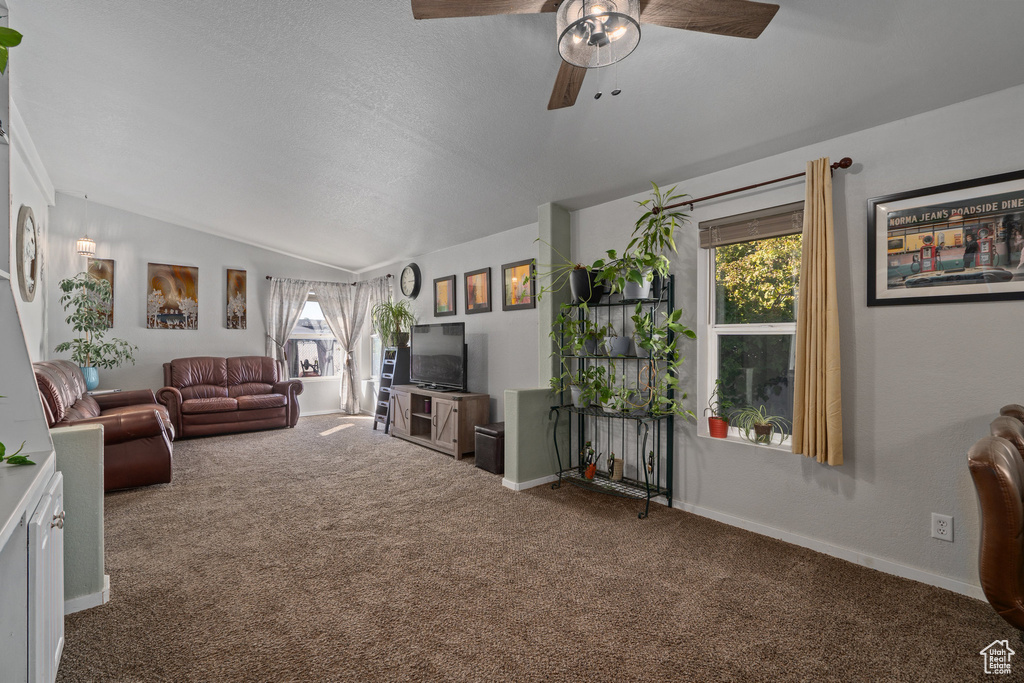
596, 33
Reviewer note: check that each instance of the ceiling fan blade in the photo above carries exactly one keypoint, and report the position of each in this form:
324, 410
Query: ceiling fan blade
444, 9
567, 86
738, 18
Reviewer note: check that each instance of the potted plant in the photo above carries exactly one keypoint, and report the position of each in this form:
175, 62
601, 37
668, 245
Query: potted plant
392, 321
588, 461
575, 333
588, 385
718, 406
645, 256
89, 300
760, 422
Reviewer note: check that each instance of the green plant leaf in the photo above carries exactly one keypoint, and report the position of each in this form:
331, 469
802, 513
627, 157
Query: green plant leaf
9, 37
3, 59
19, 460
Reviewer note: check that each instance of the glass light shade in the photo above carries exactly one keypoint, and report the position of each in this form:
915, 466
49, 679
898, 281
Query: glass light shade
86, 246
596, 33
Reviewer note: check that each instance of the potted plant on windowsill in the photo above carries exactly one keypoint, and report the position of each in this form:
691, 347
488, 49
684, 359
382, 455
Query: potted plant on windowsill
759, 421
718, 423
391, 321
89, 300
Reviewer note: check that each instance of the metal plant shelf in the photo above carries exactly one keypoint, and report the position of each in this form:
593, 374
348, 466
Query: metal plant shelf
626, 488
641, 440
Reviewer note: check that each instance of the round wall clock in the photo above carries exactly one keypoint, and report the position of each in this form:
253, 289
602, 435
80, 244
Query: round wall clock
410, 281
28, 253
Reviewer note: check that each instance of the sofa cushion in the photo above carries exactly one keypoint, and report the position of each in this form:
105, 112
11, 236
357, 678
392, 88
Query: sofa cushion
200, 377
257, 401
220, 404
82, 409
250, 375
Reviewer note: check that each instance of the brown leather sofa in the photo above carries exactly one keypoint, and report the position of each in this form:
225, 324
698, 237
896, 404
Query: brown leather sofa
997, 467
209, 395
137, 432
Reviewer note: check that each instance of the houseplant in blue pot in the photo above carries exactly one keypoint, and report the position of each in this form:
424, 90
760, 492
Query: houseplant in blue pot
88, 301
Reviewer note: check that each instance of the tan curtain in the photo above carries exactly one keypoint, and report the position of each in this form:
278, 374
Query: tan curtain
817, 405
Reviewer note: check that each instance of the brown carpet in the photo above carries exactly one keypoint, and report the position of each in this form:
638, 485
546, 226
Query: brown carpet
331, 552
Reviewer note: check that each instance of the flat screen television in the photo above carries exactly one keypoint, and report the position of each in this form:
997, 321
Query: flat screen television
438, 356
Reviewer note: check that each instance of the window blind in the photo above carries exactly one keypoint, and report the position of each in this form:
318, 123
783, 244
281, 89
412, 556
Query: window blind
777, 221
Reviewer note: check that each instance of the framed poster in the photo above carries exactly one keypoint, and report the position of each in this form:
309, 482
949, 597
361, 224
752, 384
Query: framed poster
478, 291
103, 269
235, 313
444, 296
172, 299
959, 242
517, 286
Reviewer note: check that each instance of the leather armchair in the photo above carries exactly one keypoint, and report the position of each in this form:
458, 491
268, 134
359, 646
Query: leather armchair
997, 469
137, 431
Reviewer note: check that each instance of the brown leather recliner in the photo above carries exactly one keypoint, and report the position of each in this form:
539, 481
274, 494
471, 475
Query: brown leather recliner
209, 395
997, 467
137, 431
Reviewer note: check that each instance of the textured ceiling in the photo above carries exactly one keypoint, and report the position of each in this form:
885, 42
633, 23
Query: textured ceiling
351, 134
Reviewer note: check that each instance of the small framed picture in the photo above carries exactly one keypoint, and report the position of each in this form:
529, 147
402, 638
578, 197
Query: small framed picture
960, 242
478, 291
444, 296
517, 286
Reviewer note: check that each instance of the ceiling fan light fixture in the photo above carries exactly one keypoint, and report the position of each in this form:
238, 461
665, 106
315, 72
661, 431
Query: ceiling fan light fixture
596, 33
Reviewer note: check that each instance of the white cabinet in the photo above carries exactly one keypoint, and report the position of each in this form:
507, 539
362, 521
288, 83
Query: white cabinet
46, 583
31, 570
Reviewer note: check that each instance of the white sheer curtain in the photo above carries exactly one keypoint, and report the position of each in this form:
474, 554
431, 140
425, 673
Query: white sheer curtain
380, 290
344, 306
287, 297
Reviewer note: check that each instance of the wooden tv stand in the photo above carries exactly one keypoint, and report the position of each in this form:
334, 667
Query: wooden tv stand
448, 426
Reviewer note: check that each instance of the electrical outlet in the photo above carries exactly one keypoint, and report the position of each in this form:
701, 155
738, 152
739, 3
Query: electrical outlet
942, 527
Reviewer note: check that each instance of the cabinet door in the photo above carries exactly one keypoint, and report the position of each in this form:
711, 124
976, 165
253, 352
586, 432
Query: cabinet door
444, 425
400, 413
46, 583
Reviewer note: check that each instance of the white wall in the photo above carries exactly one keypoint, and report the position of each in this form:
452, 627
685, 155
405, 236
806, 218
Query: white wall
920, 383
133, 241
502, 344
30, 186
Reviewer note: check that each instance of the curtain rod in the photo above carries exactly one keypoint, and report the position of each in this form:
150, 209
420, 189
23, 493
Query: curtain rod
389, 275
845, 162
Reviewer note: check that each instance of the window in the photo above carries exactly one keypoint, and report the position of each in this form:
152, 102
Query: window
754, 267
376, 349
312, 349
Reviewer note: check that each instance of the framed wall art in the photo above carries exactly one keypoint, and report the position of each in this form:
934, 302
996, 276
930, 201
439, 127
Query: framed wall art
172, 300
960, 242
517, 286
444, 296
236, 305
478, 291
103, 269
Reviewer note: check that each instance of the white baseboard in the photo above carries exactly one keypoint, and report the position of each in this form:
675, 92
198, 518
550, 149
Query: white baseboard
863, 559
522, 486
83, 602
321, 412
